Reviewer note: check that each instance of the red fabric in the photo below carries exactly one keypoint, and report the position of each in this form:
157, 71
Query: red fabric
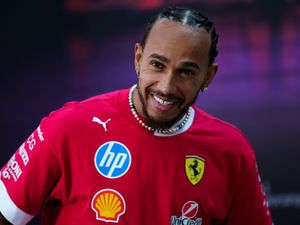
155, 189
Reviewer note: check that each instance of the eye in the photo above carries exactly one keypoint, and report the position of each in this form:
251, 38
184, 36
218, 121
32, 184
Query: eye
187, 73
157, 65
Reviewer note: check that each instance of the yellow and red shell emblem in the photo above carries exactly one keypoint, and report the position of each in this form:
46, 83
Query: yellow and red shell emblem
109, 205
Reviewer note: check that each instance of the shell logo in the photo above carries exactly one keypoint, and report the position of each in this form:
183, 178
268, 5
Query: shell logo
108, 205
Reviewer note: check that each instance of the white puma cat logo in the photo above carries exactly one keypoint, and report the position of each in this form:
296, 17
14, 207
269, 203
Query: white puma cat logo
97, 120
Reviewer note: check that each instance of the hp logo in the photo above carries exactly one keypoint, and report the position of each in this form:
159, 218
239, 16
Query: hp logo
112, 159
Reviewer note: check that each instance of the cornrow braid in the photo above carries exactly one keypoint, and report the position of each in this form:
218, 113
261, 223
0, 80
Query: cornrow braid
189, 17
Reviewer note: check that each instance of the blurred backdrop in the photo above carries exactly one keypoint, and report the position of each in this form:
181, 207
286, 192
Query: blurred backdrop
55, 51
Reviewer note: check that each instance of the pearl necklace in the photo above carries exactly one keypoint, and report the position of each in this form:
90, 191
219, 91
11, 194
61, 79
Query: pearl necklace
171, 130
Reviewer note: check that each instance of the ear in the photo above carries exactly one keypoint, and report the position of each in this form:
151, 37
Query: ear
137, 56
210, 75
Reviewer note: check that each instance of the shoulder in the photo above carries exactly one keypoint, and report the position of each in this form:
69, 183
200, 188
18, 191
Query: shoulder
77, 113
211, 123
227, 137
103, 103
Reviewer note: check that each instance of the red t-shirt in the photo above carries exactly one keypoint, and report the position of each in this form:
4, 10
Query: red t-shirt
91, 162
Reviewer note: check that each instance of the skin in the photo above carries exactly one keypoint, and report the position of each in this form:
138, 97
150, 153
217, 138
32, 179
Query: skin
3, 221
173, 67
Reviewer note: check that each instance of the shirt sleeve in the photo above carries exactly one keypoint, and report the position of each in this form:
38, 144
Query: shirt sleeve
29, 176
249, 205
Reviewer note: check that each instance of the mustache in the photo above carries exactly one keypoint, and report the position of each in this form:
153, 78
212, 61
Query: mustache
171, 97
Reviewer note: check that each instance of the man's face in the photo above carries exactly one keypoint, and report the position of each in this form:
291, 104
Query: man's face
172, 68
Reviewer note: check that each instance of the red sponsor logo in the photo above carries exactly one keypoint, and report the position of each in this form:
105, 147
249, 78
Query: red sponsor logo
188, 214
190, 209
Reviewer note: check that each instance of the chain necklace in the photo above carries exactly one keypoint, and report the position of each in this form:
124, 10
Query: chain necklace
171, 130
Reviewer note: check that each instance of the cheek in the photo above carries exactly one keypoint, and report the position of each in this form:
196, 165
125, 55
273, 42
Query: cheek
191, 90
191, 93
198, 82
144, 83
192, 85
147, 71
147, 78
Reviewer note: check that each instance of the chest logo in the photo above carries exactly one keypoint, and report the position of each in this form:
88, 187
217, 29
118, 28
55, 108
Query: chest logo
112, 159
188, 215
194, 168
97, 120
108, 205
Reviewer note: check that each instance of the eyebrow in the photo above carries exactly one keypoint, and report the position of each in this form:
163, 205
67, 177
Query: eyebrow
191, 64
160, 57
183, 64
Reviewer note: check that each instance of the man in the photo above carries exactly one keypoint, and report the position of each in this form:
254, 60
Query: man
145, 155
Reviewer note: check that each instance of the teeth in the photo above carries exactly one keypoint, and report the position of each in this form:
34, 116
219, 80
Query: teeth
162, 102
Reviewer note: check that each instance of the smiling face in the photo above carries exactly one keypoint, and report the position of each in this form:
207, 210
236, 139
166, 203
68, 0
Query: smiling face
172, 68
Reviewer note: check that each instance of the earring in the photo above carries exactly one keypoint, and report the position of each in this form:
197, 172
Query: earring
204, 89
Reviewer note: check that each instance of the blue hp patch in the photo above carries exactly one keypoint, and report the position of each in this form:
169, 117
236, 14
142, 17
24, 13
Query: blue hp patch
112, 159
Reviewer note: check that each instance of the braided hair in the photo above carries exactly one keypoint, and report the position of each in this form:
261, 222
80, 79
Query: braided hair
189, 17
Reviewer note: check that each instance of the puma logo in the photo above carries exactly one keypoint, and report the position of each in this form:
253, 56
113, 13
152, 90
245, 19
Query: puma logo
97, 120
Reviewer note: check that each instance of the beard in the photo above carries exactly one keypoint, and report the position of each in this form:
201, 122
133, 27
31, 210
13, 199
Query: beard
162, 124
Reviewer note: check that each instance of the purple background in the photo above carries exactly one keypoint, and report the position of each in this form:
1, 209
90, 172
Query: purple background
50, 56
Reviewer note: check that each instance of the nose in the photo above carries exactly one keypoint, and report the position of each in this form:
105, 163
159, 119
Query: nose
167, 84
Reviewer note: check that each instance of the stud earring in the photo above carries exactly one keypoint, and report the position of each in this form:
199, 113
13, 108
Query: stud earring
204, 89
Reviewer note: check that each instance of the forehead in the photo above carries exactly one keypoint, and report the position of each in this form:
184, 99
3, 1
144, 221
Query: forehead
171, 39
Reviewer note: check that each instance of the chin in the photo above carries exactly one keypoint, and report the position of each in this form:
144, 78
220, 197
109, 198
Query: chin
162, 122
159, 124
